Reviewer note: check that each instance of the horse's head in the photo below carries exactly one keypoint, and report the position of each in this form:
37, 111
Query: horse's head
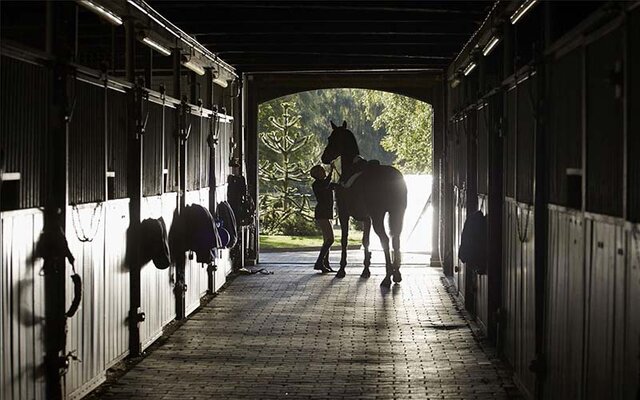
341, 142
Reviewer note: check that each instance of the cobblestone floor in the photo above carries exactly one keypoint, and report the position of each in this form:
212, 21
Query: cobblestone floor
297, 334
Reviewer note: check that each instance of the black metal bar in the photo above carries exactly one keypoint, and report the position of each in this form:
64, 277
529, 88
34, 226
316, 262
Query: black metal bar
134, 190
181, 148
60, 37
494, 218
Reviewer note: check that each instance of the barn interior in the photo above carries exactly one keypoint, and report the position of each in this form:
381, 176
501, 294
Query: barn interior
120, 118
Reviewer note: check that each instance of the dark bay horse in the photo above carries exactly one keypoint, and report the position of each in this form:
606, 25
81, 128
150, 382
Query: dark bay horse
367, 192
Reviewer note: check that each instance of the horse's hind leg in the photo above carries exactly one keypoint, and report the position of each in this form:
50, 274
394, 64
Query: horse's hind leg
366, 229
344, 241
395, 228
378, 227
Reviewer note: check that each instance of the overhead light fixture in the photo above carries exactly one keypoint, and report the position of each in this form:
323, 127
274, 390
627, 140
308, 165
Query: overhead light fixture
220, 82
522, 10
193, 66
105, 14
155, 45
490, 45
469, 68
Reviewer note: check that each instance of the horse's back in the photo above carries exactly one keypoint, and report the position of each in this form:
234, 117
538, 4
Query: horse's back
384, 188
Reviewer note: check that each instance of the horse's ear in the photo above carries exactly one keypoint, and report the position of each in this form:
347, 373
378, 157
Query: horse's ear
333, 126
344, 124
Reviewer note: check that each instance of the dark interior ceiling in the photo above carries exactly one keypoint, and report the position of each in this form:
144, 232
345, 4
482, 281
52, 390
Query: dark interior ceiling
329, 35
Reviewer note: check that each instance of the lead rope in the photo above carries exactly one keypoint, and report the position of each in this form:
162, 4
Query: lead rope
77, 223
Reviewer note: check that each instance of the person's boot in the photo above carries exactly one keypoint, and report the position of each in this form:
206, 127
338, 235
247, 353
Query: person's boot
322, 258
325, 262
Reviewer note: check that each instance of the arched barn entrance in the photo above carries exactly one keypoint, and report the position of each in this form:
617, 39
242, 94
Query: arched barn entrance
424, 86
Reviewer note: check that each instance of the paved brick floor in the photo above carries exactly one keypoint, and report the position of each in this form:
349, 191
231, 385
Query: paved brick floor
297, 334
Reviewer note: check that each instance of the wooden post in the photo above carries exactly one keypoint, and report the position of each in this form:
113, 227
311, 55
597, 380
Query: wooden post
60, 39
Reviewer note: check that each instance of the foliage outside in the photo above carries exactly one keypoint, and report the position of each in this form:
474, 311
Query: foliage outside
394, 129
285, 209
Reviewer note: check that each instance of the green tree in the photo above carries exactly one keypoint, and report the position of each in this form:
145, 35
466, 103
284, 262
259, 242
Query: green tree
408, 124
282, 171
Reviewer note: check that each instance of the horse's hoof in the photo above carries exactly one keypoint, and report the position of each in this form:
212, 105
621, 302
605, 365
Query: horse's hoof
341, 273
397, 277
366, 273
386, 282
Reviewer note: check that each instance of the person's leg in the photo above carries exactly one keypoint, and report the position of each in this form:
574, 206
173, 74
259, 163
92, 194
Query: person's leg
327, 236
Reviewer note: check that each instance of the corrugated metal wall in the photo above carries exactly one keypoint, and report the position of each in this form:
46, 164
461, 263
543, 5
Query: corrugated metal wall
518, 291
565, 311
116, 290
157, 300
87, 137
22, 307
605, 315
86, 330
631, 385
460, 215
482, 281
23, 137
195, 273
589, 345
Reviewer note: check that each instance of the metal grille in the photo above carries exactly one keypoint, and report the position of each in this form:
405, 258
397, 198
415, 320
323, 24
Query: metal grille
205, 152
117, 143
509, 128
461, 154
170, 149
633, 135
194, 152
87, 138
525, 143
564, 134
23, 127
152, 153
483, 149
604, 125
224, 130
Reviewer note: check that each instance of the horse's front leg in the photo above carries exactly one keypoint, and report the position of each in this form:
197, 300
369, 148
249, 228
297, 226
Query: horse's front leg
366, 229
344, 241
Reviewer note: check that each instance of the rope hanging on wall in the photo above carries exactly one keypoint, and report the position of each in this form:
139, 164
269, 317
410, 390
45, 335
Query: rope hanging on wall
79, 230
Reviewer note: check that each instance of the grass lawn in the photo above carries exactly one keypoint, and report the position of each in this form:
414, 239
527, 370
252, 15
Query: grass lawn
292, 242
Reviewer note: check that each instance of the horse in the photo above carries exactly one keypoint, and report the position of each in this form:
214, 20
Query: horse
367, 191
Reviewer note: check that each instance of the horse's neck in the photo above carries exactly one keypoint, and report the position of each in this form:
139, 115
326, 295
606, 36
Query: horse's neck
346, 162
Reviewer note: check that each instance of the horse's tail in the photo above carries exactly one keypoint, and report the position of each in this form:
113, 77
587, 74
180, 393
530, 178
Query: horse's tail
396, 215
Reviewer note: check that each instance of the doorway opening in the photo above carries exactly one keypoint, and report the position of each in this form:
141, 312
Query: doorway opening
292, 133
